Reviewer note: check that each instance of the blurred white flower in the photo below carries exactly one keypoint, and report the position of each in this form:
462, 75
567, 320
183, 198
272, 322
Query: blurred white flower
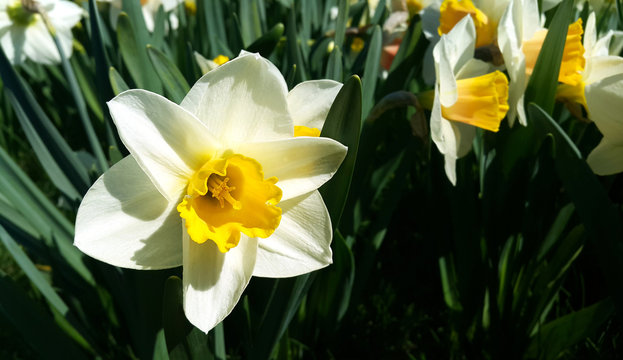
599, 64
150, 10
520, 38
217, 184
467, 95
23, 33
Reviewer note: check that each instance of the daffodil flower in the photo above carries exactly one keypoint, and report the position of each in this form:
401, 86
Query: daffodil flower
599, 64
23, 33
520, 38
217, 184
207, 65
484, 13
308, 115
605, 101
467, 95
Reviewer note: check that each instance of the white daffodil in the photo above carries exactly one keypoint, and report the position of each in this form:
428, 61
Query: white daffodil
467, 95
207, 65
23, 33
439, 17
309, 103
217, 184
605, 102
520, 38
150, 10
599, 64
485, 14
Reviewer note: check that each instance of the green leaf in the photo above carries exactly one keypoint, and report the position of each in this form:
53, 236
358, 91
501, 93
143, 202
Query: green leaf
46, 159
216, 33
250, 27
174, 82
371, 71
134, 53
591, 201
329, 295
343, 124
116, 81
36, 327
342, 19
33, 274
566, 331
26, 198
284, 302
334, 65
293, 48
544, 79
267, 43
77, 92
46, 132
157, 37
183, 340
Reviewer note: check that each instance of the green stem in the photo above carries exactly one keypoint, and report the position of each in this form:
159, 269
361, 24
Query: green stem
82, 109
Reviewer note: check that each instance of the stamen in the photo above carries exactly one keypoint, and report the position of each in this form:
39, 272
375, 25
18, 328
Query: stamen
221, 191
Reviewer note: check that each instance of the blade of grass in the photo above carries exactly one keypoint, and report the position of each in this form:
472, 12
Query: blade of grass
58, 147
371, 71
76, 92
544, 79
174, 82
343, 124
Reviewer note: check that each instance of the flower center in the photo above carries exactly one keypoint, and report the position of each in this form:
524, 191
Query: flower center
300, 130
482, 101
452, 11
20, 15
221, 191
573, 61
229, 196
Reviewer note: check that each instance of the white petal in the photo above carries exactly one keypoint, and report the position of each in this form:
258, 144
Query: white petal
606, 158
243, 100
450, 168
301, 243
168, 142
452, 52
460, 43
441, 130
65, 14
448, 93
149, 17
39, 46
590, 36
12, 41
600, 67
213, 281
605, 106
473, 68
124, 221
5, 21
301, 164
169, 5
309, 102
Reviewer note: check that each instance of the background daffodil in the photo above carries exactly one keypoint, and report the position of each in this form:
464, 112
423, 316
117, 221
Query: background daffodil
23, 33
225, 161
467, 95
